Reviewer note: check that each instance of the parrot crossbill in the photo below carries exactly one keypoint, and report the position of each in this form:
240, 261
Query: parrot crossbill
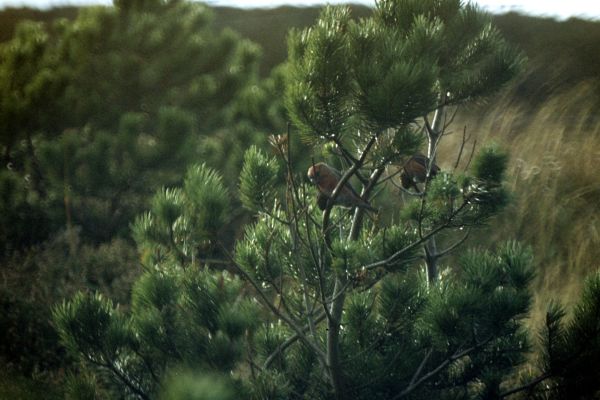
415, 171
326, 179
322, 201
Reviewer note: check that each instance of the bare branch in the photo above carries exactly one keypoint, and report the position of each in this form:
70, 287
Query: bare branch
288, 342
457, 355
449, 121
135, 388
411, 246
350, 159
455, 245
464, 141
341, 183
288, 320
471, 155
421, 366
526, 386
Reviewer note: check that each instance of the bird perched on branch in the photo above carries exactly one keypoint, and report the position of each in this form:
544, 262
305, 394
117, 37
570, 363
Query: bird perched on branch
322, 201
415, 171
326, 179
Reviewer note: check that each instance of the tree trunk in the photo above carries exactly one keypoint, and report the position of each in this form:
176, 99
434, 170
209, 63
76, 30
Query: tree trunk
433, 136
333, 340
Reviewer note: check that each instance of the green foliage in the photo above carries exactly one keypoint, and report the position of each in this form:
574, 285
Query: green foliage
490, 165
472, 57
184, 222
101, 111
22, 77
22, 218
82, 387
192, 386
14, 386
193, 318
395, 89
397, 238
463, 201
43, 276
570, 349
208, 200
271, 385
26, 326
348, 255
265, 249
317, 94
108, 332
257, 180
400, 64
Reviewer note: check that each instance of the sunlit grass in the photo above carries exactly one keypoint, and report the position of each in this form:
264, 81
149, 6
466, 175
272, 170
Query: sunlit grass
555, 179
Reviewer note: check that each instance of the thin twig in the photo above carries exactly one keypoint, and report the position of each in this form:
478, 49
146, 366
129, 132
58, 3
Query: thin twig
288, 320
471, 156
409, 247
454, 246
288, 342
464, 141
421, 366
526, 386
457, 355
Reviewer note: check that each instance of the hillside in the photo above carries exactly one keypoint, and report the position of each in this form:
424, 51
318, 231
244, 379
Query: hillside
561, 53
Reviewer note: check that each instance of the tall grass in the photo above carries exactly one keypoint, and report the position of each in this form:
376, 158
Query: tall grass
555, 177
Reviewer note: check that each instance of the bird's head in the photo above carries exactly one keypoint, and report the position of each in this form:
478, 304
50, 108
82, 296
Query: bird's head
314, 173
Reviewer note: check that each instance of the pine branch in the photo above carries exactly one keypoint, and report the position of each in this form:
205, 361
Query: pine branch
121, 376
287, 319
296, 230
305, 284
526, 386
148, 365
333, 338
463, 142
288, 342
583, 347
341, 183
453, 246
350, 159
340, 286
278, 289
415, 383
471, 155
421, 366
357, 220
422, 240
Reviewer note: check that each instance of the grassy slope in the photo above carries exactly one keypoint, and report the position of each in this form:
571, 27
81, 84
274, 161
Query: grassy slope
548, 121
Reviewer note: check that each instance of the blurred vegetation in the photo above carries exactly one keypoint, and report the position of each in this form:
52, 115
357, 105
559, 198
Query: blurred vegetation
555, 182
99, 110
65, 223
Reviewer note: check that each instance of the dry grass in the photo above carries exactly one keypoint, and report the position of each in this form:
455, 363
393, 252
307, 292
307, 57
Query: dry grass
554, 175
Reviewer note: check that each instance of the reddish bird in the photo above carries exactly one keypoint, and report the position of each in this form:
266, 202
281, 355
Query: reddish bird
322, 201
415, 171
326, 179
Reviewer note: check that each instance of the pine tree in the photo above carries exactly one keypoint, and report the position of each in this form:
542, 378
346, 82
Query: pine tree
338, 303
96, 114
118, 102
